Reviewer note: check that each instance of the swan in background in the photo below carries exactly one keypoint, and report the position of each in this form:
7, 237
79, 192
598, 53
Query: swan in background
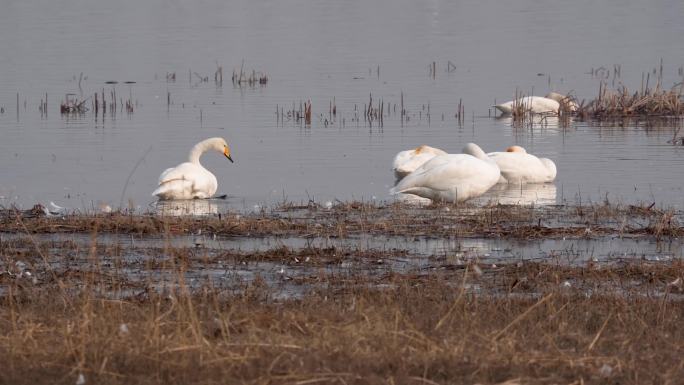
452, 177
517, 166
190, 180
549, 104
564, 100
407, 161
533, 104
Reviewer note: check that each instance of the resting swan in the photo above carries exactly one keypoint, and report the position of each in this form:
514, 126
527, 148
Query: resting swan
550, 104
517, 166
407, 161
533, 104
190, 180
452, 177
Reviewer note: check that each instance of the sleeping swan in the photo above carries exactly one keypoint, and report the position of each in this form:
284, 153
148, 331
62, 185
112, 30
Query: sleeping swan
550, 104
190, 180
517, 166
452, 177
533, 104
407, 161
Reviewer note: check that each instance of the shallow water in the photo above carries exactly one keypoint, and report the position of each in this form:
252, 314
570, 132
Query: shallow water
146, 262
419, 251
322, 51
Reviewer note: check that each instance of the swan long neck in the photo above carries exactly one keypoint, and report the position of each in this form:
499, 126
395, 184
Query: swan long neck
197, 151
475, 150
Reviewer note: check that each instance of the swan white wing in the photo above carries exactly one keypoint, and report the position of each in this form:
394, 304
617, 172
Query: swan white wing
164, 174
450, 177
407, 161
534, 104
412, 163
401, 158
539, 104
174, 189
523, 168
186, 181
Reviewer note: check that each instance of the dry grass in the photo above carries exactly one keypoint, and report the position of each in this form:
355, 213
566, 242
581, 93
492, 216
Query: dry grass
425, 329
95, 312
349, 219
619, 103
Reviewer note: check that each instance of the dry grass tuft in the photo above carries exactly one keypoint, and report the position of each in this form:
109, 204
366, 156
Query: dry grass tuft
620, 103
425, 329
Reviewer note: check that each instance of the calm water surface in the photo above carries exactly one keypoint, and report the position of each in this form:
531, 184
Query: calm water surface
322, 51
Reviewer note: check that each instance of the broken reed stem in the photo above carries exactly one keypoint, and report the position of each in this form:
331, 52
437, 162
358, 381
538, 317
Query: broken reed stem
598, 334
521, 316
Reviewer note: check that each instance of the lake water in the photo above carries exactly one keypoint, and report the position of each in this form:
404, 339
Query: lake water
323, 51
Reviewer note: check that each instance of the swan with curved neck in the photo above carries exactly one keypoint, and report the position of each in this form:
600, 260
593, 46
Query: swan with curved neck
190, 180
452, 177
517, 166
407, 161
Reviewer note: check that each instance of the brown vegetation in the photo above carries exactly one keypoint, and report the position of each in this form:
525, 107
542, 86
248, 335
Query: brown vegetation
111, 313
431, 328
355, 218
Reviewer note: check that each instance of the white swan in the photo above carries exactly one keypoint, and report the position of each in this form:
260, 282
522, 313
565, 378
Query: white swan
407, 161
517, 166
452, 177
533, 104
564, 100
190, 180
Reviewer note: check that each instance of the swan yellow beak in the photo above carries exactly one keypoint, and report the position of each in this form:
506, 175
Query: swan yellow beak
226, 153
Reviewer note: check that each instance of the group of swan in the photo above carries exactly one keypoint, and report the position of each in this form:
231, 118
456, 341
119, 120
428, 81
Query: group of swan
425, 171
549, 104
458, 177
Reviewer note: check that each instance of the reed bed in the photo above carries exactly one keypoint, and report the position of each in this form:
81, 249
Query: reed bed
621, 102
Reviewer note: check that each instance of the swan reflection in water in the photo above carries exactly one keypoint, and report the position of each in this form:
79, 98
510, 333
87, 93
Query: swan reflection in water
542, 194
538, 194
538, 122
194, 207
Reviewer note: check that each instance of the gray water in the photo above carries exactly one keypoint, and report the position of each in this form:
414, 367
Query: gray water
322, 50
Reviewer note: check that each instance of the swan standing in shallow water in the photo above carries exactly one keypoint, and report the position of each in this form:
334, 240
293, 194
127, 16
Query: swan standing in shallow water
407, 161
517, 166
190, 180
452, 177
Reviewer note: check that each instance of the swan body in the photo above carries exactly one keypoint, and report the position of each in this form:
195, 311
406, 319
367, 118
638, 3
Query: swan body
407, 161
533, 104
452, 177
564, 100
517, 166
190, 180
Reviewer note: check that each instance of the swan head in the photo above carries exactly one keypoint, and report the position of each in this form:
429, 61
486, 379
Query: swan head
220, 145
226, 152
517, 149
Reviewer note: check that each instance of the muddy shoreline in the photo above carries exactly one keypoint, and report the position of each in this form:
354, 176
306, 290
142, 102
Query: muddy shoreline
307, 294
